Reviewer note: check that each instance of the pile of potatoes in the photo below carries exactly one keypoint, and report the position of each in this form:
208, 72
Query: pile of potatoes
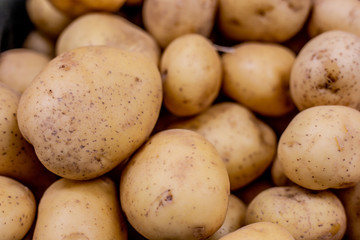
182, 119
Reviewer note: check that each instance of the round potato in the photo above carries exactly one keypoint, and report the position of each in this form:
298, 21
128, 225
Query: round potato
257, 76
167, 20
246, 145
264, 20
110, 30
175, 187
192, 72
305, 214
326, 71
18, 67
278, 176
39, 42
17, 209
90, 109
319, 148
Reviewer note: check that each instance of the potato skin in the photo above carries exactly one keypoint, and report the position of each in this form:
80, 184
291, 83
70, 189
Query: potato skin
90, 109
305, 214
175, 187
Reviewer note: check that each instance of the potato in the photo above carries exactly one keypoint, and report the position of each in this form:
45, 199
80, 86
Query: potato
257, 75
262, 20
334, 15
278, 176
305, 214
37, 41
107, 29
47, 18
17, 209
18, 67
192, 72
175, 187
245, 143
260, 231
234, 219
320, 148
73, 209
167, 20
326, 71
90, 109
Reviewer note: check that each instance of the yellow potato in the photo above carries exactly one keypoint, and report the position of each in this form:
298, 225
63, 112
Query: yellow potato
80, 210
175, 187
305, 214
17, 209
90, 109
192, 72
278, 176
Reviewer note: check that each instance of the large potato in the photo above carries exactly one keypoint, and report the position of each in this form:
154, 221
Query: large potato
326, 71
80, 210
305, 214
320, 148
192, 72
246, 145
175, 187
110, 30
90, 109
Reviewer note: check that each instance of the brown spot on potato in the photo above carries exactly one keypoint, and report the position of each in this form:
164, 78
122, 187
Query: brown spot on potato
199, 232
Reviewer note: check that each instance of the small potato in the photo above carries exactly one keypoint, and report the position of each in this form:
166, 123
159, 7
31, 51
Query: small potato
80, 210
305, 214
320, 148
326, 71
175, 187
278, 176
17, 209
327, 15
167, 20
90, 109
191, 71
246, 145
260, 231
257, 76
37, 41
110, 30
18, 67
264, 20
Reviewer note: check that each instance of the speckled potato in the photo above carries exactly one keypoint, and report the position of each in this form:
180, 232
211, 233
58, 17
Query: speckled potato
234, 219
39, 42
167, 20
18, 67
305, 214
80, 210
90, 109
17, 209
320, 148
326, 71
191, 73
264, 20
329, 15
246, 145
260, 231
175, 187
107, 29
257, 76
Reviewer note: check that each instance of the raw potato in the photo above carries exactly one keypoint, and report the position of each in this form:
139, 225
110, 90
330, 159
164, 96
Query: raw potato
246, 145
18, 67
167, 20
90, 109
191, 73
264, 20
260, 231
306, 214
107, 29
329, 15
37, 41
175, 187
278, 176
326, 71
80, 210
234, 219
320, 148
17, 209
257, 76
